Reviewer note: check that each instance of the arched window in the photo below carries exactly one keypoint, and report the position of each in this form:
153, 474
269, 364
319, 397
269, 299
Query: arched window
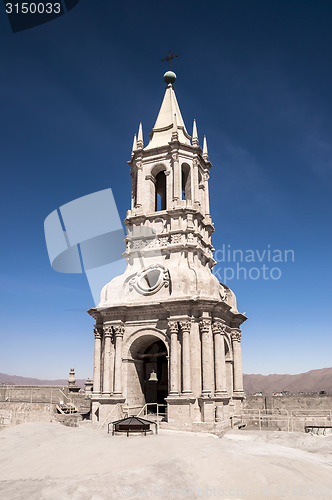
186, 182
160, 191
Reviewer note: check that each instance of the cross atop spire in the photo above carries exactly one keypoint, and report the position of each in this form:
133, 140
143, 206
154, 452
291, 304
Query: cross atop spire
169, 58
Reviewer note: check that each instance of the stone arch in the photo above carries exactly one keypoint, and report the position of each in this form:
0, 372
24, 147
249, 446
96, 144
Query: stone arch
156, 169
160, 192
158, 173
152, 333
147, 352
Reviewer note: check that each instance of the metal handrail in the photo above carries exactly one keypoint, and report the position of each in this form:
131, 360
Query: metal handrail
145, 407
291, 417
110, 413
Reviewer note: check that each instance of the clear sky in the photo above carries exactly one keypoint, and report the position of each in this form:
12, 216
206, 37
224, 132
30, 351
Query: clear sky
257, 76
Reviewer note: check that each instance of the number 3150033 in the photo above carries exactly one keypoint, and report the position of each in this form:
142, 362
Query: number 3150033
33, 8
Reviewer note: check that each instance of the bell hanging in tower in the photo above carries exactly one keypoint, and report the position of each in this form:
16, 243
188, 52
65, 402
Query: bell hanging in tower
153, 377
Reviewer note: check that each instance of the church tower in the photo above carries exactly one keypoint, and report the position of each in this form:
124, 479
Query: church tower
167, 331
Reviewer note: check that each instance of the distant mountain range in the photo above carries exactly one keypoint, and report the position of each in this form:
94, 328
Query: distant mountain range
312, 381
15, 379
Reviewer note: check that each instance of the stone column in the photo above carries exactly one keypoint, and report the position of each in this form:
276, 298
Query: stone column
177, 178
133, 190
195, 182
169, 186
174, 368
201, 189
139, 182
218, 329
206, 194
107, 388
151, 190
118, 334
96, 362
186, 368
207, 358
237, 360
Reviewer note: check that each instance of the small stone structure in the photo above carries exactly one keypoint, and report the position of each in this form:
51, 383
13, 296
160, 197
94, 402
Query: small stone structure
72, 387
168, 314
88, 387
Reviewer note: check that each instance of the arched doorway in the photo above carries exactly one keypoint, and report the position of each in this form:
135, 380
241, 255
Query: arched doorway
149, 354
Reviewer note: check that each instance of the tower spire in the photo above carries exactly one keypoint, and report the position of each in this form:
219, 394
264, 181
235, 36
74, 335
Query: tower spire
164, 127
195, 141
205, 150
134, 144
140, 142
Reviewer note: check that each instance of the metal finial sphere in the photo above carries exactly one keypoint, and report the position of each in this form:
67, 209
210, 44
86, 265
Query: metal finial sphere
169, 77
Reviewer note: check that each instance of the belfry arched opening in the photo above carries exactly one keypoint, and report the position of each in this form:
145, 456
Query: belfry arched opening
149, 379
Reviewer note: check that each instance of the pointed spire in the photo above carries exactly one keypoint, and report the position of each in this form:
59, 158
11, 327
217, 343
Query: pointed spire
195, 141
175, 134
205, 150
140, 143
134, 144
163, 129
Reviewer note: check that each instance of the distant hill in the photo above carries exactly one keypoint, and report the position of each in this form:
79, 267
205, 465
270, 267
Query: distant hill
15, 379
312, 381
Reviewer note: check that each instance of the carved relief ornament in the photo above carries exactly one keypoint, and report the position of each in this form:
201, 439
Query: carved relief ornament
150, 280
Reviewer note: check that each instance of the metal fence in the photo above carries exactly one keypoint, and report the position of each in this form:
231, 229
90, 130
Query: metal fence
286, 420
33, 394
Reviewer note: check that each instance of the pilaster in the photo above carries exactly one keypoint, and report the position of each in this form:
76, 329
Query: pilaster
186, 366
218, 329
207, 355
237, 358
118, 335
97, 360
107, 383
173, 327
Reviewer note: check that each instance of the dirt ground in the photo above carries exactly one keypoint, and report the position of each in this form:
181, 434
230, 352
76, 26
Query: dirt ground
50, 461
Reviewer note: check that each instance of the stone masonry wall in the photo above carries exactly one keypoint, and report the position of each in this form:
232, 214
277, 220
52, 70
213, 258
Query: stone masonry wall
17, 413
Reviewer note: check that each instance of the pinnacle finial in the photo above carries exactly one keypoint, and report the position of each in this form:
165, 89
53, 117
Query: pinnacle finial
169, 77
140, 142
195, 141
134, 144
205, 150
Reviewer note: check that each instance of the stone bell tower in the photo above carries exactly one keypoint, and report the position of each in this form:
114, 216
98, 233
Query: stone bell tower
167, 331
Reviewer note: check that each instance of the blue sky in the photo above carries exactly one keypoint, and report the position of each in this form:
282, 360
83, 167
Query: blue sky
256, 76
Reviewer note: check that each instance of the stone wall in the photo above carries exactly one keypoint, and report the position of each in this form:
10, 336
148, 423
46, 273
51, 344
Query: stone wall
18, 413
32, 403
